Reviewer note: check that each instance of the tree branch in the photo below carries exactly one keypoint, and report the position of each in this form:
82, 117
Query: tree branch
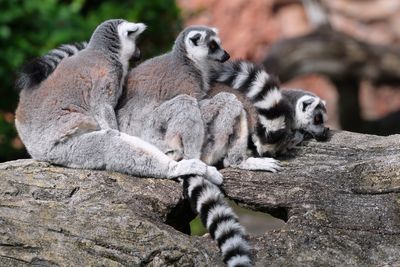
340, 200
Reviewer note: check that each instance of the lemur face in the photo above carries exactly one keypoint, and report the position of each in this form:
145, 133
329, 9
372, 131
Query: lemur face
203, 45
128, 33
311, 117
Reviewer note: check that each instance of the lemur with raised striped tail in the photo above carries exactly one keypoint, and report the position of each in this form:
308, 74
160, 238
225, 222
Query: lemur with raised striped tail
66, 111
277, 119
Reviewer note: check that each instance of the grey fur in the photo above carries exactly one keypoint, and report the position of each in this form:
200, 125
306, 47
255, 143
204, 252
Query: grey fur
223, 116
106, 39
69, 118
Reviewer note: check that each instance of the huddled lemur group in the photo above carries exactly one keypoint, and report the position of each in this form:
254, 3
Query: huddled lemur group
172, 116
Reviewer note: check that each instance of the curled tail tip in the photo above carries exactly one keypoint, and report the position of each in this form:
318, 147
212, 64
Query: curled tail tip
234, 74
32, 74
36, 71
240, 261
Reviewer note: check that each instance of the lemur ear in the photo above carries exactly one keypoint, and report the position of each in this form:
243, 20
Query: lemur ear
195, 39
307, 103
129, 33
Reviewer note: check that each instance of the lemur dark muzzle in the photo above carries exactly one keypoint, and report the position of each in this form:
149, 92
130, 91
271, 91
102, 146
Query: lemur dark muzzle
225, 57
136, 55
322, 136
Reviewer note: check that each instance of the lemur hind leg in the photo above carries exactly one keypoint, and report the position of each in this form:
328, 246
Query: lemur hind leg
227, 135
221, 115
176, 127
112, 150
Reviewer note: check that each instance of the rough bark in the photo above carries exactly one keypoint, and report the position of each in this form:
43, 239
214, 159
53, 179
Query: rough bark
53, 216
340, 200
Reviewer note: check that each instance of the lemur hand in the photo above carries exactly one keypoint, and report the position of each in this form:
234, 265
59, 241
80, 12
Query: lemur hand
260, 164
195, 167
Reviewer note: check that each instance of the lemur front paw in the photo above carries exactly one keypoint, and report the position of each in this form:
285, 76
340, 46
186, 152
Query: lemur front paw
214, 175
260, 164
196, 167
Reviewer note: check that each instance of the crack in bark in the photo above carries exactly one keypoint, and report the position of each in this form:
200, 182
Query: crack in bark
371, 191
14, 259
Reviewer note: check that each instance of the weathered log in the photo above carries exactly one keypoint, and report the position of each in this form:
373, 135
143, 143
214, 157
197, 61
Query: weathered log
340, 201
53, 216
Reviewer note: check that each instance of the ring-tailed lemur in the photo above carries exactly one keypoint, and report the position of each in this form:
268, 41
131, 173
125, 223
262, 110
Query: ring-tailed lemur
66, 110
305, 116
166, 103
163, 105
204, 196
278, 120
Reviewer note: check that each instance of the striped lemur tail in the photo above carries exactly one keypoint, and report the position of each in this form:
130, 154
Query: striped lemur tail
271, 132
221, 222
39, 69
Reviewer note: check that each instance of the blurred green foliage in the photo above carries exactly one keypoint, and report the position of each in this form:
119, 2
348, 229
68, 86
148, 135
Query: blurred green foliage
31, 28
196, 227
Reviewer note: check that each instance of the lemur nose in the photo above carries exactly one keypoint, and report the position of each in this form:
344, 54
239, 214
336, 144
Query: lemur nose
136, 55
323, 136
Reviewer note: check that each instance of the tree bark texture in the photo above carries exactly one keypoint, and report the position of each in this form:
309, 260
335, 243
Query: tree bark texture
340, 200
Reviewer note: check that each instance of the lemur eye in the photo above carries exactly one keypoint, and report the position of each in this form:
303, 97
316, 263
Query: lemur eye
318, 119
213, 46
